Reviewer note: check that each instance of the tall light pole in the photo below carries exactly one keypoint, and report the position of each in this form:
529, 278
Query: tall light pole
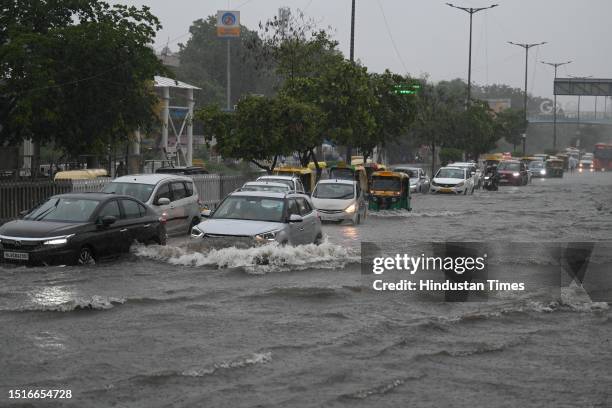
352, 57
555, 65
526, 47
471, 11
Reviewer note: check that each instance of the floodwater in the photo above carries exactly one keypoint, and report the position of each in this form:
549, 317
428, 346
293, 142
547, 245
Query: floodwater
188, 327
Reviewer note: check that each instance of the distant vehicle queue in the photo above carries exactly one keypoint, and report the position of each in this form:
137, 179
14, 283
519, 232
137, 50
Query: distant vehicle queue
286, 206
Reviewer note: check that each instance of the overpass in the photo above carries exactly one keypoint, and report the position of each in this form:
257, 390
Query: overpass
585, 119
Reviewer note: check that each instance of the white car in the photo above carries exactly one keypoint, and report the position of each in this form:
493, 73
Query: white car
474, 171
419, 182
265, 186
294, 183
452, 180
174, 198
260, 217
585, 165
340, 200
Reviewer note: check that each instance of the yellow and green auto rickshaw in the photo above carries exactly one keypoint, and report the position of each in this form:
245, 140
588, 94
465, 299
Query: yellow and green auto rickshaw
389, 190
84, 174
554, 167
306, 175
356, 173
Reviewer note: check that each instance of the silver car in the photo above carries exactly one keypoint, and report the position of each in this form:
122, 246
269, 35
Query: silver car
419, 182
265, 186
294, 183
340, 200
174, 198
262, 217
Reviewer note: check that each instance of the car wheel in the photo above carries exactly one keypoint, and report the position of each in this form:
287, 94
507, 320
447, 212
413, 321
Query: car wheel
162, 237
86, 256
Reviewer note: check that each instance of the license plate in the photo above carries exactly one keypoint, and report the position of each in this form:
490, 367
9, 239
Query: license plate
324, 218
20, 256
446, 190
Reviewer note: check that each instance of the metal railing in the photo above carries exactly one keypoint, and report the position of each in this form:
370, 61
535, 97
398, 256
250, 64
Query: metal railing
17, 196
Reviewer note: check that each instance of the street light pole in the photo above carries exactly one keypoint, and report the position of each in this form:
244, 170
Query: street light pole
526, 47
349, 148
471, 11
555, 65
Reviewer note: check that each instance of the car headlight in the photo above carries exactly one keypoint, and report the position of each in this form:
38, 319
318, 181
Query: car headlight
58, 240
542, 172
267, 236
196, 232
516, 174
351, 208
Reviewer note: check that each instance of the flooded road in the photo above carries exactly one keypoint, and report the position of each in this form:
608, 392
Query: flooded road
175, 326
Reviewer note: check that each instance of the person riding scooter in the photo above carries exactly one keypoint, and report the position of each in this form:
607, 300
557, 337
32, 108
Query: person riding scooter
491, 179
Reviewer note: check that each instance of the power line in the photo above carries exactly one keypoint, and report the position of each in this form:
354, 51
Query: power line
399, 56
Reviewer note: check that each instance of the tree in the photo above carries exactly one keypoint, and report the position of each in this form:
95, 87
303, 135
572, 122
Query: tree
78, 73
510, 125
475, 129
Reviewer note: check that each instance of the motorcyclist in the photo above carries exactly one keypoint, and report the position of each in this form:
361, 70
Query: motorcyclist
491, 177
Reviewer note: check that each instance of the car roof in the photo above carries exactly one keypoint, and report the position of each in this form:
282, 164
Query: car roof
452, 167
93, 196
266, 194
277, 176
406, 168
337, 181
265, 183
149, 178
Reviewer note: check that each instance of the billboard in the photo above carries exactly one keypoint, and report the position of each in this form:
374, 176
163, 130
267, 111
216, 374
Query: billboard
498, 105
228, 24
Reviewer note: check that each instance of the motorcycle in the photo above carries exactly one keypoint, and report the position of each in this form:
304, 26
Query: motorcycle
491, 181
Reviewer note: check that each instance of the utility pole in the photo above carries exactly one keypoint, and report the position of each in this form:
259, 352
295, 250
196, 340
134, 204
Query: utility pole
349, 148
526, 47
555, 65
471, 11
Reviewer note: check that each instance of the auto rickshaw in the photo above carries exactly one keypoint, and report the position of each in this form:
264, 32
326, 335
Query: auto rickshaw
322, 168
554, 167
344, 172
84, 174
389, 190
306, 175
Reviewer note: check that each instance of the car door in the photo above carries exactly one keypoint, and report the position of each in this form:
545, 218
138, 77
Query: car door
167, 211
181, 206
107, 239
309, 220
133, 221
296, 229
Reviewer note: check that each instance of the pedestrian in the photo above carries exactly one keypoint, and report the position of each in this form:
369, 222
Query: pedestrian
121, 170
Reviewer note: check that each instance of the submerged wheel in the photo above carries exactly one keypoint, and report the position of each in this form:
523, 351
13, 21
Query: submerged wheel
162, 237
318, 239
86, 256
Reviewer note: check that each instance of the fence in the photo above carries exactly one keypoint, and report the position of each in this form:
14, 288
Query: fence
17, 196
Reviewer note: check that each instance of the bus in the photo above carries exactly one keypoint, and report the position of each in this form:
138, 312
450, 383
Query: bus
602, 157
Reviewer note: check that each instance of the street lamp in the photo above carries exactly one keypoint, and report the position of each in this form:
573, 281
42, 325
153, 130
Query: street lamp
349, 148
555, 65
471, 11
526, 47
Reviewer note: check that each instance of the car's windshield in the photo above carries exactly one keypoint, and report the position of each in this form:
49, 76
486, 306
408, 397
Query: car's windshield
386, 183
265, 187
342, 173
251, 208
286, 182
64, 209
411, 173
536, 165
509, 166
140, 192
450, 173
337, 191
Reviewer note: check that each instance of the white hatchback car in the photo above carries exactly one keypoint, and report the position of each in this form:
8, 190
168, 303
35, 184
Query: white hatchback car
174, 198
340, 200
294, 183
453, 180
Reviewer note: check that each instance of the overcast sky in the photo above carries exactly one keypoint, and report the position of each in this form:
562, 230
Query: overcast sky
431, 37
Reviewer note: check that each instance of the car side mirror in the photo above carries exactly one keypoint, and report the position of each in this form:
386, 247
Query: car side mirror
206, 213
163, 201
295, 218
108, 220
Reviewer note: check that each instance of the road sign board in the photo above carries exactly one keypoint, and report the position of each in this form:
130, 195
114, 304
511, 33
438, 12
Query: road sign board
228, 23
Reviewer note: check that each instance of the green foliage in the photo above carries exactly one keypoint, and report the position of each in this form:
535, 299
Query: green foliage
77, 73
450, 154
510, 125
